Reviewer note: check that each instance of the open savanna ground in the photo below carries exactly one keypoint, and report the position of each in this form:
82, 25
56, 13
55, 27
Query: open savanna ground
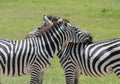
100, 17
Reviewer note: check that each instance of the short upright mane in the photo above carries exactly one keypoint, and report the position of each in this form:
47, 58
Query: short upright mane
89, 40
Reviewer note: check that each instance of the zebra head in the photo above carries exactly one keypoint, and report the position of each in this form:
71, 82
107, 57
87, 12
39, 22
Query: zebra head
81, 36
48, 22
76, 34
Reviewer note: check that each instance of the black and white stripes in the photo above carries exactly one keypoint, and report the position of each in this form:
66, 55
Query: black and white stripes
16, 56
34, 54
95, 59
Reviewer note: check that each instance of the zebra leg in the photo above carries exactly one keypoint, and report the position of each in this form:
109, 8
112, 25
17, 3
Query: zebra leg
41, 77
76, 78
36, 76
76, 81
70, 77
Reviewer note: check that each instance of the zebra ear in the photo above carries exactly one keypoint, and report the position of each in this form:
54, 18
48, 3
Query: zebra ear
60, 20
47, 20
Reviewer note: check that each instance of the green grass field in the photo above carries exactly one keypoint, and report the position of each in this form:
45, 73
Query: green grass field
100, 17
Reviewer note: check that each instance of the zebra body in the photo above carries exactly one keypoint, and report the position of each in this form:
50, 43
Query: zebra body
16, 56
95, 59
34, 54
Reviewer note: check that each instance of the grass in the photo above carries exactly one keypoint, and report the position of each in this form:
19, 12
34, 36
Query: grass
99, 17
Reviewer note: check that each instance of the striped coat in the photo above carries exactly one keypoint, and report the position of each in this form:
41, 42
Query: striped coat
34, 54
92, 59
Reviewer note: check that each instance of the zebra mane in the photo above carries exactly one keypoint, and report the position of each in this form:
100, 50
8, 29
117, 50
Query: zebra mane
89, 39
54, 19
43, 28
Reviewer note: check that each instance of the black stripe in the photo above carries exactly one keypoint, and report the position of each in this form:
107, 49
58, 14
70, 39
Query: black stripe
3, 57
29, 51
84, 61
49, 44
32, 53
55, 40
88, 62
19, 57
2, 66
23, 58
8, 64
14, 60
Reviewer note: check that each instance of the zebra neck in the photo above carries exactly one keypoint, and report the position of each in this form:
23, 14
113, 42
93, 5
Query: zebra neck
51, 42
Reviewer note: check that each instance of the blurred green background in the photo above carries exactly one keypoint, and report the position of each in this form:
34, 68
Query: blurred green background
100, 17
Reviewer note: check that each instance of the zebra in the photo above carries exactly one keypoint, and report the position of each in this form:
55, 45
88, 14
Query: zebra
33, 55
95, 59
87, 38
